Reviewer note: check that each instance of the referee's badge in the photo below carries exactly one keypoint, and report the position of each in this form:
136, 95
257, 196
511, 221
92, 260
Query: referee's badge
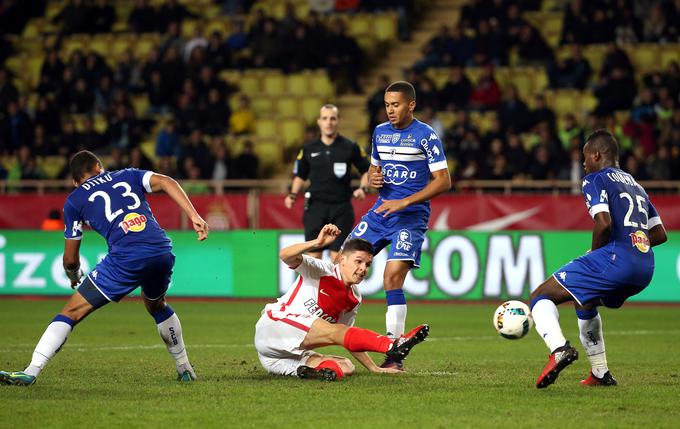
340, 169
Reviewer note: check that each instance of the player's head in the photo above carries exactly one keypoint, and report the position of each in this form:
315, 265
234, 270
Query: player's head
355, 260
400, 101
328, 120
84, 165
600, 151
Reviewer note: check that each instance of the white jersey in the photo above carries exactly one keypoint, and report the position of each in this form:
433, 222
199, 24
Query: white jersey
319, 292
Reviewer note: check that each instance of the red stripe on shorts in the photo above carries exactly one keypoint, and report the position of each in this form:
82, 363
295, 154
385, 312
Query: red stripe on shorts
290, 322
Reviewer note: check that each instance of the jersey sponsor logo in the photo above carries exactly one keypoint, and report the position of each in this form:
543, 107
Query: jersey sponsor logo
397, 174
426, 146
404, 242
383, 138
409, 140
133, 222
640, 241
313, 307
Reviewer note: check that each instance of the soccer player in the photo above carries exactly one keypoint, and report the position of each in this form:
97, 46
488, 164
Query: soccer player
619, 265
319, 310
405, 153
113, 204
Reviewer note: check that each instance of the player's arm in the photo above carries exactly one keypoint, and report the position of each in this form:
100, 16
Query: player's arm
292, 255
441, 182
300, 175
368, 363
295, 189
657, 232
71, 261
161, 182
601, 230
375, 177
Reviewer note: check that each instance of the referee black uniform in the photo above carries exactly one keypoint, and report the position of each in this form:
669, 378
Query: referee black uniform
329, 197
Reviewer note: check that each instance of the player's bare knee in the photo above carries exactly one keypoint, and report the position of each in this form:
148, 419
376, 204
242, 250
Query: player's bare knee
347, 366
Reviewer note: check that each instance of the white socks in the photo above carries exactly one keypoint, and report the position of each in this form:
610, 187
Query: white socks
395, 320
547, 321
50, 343
170, 331
591, 337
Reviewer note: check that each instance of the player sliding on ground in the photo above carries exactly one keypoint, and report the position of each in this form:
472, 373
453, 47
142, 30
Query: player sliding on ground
113, 204
619, 265
319, 310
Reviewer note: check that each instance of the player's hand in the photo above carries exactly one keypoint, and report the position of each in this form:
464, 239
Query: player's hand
390, 206
200, 226
289, 202
376, 179
388, 370
359, 194
327, 235
76, 281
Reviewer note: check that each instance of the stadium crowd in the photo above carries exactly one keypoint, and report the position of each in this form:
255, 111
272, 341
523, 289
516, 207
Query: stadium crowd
193, 114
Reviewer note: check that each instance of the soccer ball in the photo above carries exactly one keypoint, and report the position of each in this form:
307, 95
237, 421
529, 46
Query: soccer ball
513, 320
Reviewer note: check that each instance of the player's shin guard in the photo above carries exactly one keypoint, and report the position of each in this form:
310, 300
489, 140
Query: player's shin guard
50, 343
590, 329
547, 321
364, 340
395, 318
170, 331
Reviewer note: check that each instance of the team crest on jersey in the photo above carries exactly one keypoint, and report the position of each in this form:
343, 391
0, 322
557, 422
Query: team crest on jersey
133, 222
396, 137
639, 239
404, 243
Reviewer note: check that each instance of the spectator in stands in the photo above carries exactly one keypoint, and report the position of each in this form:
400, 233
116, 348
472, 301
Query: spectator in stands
532, 49
429, 116
128, 74
658, 165
40, 145
187, 116
245, 165
573, 170
74, 17
540, 167
24, 166
238, 41
601, 29
634, 166
143, 18
16, 129
569, 131
615, 57
456, 92
541, 113
196, 149
459, 48
572, 72
139, 160
173, 12
69, 140
52, 67
8, 92
90, 139
344, 58
298, 51
428, 97
615, 92
158, 93
168, 142
242, 121
47, 116
513, 112
82, 99
266, 46
489, 45
376, 102
221, 168
215, 114
628, 28
486, 94
434, 50
197, 41
517, 157
575, 25
123, 132
173, 40
217, 52
654, 28
102, 16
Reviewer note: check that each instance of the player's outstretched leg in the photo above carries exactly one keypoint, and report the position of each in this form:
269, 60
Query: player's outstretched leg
547, 321
51, 341
590, 333
395, 316
170, 330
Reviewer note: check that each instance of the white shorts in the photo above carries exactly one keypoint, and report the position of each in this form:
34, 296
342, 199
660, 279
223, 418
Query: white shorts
277, 339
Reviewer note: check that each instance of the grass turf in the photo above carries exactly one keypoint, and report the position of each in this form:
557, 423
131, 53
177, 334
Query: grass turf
114, 371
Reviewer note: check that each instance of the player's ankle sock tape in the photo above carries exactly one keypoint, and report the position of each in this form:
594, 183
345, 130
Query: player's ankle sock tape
364, 340
65, 319
164, 314
395, 297
586, 314
535, 300
332, 365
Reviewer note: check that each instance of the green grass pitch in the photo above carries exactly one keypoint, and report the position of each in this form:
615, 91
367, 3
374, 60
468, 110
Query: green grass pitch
115, 372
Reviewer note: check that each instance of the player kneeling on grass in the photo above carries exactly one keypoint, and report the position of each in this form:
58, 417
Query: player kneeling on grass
620, 264
319, 310
113, 204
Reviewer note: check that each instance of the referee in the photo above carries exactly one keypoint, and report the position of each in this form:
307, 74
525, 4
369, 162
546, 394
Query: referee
327, 163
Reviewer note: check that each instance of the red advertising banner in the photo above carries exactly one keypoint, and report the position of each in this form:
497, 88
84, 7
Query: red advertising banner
449, 212
480, 212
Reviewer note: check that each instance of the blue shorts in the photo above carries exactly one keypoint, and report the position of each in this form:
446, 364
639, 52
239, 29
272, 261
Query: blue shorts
606, 276
113, 279
404, 232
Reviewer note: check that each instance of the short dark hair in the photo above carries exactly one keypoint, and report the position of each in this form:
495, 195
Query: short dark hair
357, 245
404, 87
604, 142
82, 163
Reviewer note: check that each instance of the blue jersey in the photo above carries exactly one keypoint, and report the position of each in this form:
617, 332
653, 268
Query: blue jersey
113, 204
406, 156
632, 213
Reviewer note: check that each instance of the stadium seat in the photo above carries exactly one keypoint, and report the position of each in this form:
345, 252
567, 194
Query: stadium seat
668, 54
321, 85
310, 108
148, 148
644, 56
274, 84
141, 104
360, 24
52, 165
270, 155
266, 129
249, 84
287, 106
292, 132
261, 105
385, 27
298, 84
